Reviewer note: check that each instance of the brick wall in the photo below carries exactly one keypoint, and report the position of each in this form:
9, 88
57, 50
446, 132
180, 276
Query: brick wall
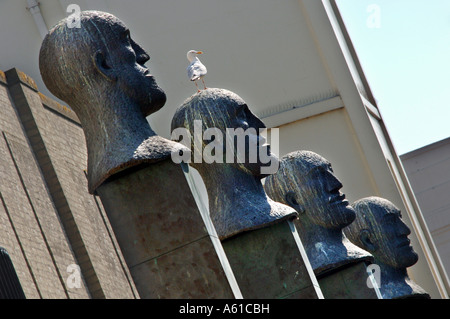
48, 221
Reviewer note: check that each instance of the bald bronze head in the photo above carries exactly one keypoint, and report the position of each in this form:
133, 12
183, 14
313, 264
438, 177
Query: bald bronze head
306, 181
237, 201
98, 58
100, 72
224, 120
379, 229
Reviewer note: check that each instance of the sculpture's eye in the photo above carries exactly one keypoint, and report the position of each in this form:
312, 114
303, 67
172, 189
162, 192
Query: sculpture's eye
330, 168
126, 36
290, 199
240, 112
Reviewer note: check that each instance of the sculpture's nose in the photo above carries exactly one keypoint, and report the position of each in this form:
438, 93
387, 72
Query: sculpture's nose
403, 229
253, 120
141, 55
333, 185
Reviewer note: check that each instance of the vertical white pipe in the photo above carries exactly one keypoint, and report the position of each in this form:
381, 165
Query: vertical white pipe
202, 207
33, 7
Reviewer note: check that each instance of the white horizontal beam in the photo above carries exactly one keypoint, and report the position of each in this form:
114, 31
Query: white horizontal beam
301, 112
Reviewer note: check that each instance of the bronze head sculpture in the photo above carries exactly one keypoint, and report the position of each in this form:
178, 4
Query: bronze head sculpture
306, 182
379, 229
237, 201
100, 72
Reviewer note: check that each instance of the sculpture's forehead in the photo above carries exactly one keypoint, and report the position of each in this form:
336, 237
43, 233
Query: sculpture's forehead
386, 211
105, 23
380, 209
306, 163
217, 104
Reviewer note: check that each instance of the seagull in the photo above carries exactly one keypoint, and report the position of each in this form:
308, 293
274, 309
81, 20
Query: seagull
196, 70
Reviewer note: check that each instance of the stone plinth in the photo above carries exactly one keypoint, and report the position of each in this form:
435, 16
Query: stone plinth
162, 235
270, 263
349, 282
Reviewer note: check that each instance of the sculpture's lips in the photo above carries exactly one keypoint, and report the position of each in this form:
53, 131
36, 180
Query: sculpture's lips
338, 199
258, 140
404, 243
147, 73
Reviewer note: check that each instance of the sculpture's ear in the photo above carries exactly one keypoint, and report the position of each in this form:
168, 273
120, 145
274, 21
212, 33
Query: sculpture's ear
365, 237
104, 66
292, 201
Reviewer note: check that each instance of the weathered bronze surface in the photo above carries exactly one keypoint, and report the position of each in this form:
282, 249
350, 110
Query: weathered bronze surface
100, 72
378, 228
237, 201
306, 182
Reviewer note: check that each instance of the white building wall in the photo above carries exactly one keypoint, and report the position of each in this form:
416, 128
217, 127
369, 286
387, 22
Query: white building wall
428, 170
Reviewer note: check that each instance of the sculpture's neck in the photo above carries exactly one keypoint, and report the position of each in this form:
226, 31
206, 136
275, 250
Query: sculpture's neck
229, 188
395, 283
389, 274
326, 248
237, 201
113, 132
312, 234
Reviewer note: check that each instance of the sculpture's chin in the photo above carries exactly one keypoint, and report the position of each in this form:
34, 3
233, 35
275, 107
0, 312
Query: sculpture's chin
155, 101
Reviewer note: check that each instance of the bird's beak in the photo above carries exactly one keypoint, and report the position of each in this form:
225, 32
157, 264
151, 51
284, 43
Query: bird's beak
199, 52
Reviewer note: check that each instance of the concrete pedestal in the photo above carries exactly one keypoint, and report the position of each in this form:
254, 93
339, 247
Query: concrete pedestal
348, 282
162, 235
271, 263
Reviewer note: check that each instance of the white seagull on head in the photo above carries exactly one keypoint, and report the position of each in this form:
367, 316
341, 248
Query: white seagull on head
196, 70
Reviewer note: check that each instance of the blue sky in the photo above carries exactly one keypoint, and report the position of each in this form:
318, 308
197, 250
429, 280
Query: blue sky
404, 49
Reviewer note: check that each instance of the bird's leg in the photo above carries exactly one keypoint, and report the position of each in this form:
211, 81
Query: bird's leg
198, 90
204, 85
